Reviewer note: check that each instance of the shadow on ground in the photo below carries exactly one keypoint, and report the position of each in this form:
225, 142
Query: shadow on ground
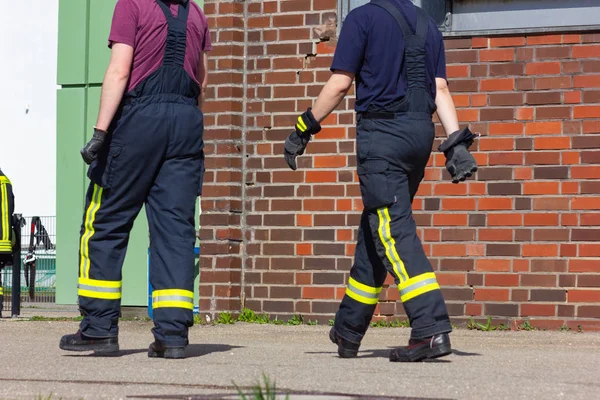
192, 350
385, 353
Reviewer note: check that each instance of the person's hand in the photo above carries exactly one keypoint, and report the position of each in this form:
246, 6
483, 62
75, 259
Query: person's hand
90, 152
460, 163
296, 143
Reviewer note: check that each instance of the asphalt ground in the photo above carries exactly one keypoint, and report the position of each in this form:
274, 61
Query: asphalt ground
300, 360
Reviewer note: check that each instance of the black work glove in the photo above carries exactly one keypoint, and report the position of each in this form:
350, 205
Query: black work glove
91, 149
460, 163
296, 143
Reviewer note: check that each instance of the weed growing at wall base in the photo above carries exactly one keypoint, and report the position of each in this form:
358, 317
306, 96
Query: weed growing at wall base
487, 327
526, 326
394, 324
225, 318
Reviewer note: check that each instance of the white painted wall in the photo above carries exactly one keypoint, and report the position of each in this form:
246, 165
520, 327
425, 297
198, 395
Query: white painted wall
29, 31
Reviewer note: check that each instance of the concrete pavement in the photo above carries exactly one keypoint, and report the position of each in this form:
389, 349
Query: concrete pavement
502, 365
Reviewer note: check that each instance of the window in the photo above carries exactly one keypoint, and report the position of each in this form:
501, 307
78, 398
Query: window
473, 17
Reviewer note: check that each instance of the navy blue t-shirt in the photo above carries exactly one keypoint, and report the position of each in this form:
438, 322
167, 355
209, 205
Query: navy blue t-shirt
372, 47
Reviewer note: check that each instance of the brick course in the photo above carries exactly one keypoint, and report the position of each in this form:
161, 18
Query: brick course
520, 240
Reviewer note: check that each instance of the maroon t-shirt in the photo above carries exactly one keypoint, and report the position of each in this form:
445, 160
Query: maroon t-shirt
142, 25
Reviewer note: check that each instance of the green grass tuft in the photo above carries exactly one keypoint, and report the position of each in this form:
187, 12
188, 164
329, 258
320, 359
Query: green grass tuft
268, 392
247, 315
296, 320
526, 326
225, 318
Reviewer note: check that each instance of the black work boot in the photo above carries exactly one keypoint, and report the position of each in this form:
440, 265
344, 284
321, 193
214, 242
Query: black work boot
80, 342
421, 349
346, 349
158, 350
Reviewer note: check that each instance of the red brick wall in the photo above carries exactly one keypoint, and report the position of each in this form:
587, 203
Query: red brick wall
518, 241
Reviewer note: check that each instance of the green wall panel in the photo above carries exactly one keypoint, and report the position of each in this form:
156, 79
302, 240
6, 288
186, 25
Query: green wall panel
93, 105
70, 190
135, 268
72, 36
99, 53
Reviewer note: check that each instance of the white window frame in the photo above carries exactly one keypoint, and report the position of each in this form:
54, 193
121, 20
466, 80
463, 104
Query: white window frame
490, 17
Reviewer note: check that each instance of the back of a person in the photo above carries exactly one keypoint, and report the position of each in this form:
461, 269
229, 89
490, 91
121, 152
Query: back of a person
142, 25
381, 79
147, 149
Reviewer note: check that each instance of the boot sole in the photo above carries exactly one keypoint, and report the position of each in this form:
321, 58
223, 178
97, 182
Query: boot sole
96, 348
170, 353
428, 354
342, 352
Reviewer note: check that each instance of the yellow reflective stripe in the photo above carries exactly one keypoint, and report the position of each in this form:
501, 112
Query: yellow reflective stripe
174, 298
301, 125
108, 290
4, 179
418, 285
173, 304
1, 291
363, 293
390, 244
5, 224
417, 279
361, 299
102, 284
173, 292
363, 287
419, 291
84, 252
99, 295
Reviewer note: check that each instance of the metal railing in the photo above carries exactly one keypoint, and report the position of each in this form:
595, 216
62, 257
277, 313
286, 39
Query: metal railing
36, 256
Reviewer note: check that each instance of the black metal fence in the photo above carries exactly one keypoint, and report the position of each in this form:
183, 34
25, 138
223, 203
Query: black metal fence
34, 280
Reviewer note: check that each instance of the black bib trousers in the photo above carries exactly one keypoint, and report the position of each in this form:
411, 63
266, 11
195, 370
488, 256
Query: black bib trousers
155, 157
393, 148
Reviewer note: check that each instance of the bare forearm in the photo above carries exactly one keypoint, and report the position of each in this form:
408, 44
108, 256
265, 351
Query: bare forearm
202, 98
113, 88
446, 110
202, 76
328, 100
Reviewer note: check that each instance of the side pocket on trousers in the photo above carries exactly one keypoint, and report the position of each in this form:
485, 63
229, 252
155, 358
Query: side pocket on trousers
375, 188
201, 177
101, 171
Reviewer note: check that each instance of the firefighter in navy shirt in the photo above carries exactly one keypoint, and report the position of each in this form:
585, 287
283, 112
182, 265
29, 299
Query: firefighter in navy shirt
395, 52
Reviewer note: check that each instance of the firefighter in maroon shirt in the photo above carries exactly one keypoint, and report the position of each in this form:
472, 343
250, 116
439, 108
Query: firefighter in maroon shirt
147, 149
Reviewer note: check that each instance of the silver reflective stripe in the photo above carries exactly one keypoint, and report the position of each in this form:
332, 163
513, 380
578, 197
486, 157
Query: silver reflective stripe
363, 293
99, 289
172, 298
417, 285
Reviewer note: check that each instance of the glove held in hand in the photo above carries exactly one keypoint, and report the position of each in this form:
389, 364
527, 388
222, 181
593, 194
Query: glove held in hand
460, 163
464, 137
296, 143
307, 125
90, 152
